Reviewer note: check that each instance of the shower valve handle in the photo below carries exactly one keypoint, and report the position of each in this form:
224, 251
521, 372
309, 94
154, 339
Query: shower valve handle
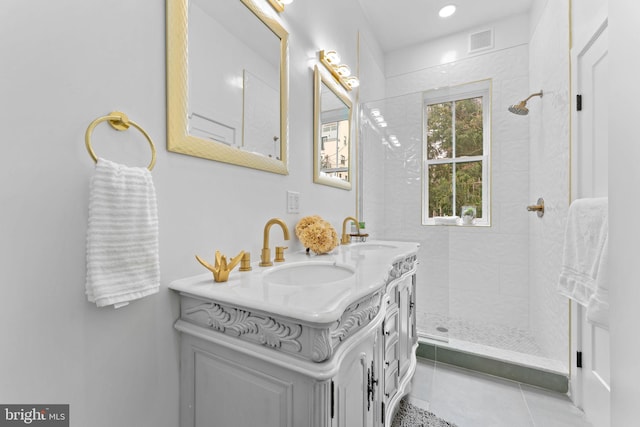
539, 207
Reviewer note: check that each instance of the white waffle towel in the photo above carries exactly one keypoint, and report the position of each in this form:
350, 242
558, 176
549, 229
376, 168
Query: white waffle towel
122, 236
584, 262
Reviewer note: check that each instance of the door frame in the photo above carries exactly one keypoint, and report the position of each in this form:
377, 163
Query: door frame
580, 44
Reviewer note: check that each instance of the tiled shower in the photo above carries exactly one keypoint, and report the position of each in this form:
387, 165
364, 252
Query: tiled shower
474, 283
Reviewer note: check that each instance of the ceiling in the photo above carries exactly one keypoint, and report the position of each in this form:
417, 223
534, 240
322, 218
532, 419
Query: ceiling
400, 23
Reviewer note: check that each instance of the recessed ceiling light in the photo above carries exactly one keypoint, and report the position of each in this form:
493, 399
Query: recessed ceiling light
447, 11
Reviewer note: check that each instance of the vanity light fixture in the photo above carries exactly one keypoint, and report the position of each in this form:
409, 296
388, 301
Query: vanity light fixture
377, 117
341, 72
278, 5
447, 11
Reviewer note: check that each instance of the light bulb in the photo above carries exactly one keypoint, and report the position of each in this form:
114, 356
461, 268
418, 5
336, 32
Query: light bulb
343, 70
353, 81
332, 57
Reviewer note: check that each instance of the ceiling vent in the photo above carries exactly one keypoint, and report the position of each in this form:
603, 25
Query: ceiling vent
480, 41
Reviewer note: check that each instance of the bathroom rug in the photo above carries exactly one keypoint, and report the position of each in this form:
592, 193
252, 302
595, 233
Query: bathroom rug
409, 415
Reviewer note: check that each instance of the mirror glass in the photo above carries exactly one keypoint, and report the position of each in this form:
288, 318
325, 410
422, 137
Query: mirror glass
332, 133
227, 83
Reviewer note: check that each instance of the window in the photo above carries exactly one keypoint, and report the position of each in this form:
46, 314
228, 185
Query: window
334, 149
456, 141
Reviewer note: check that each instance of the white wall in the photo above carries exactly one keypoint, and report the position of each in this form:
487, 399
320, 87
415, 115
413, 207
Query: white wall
624, 176
65, 64
549, 174
476, 274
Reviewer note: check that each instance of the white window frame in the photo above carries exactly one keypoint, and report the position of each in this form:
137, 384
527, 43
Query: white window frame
455, 93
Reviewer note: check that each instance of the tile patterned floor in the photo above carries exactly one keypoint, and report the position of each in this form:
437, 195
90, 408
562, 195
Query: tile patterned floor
470, 399
497, 336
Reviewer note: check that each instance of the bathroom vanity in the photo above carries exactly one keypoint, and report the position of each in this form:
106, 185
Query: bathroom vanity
319, 340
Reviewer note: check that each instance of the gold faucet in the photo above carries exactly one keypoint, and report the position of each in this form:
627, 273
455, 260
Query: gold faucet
346, 238
265, 257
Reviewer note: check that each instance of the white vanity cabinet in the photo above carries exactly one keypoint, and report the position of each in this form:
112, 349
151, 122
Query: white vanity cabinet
286, 361
399, 340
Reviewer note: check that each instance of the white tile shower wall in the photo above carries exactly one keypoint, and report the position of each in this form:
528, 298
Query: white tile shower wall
549, 176
478, 274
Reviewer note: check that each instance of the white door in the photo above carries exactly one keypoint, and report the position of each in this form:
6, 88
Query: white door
590, 384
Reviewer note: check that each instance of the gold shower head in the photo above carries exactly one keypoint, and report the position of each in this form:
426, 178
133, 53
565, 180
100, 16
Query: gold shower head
521, 108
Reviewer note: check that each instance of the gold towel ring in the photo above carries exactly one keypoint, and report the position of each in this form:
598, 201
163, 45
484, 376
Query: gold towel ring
118, 121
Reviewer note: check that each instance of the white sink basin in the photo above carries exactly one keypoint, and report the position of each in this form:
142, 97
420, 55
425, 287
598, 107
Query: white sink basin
308, 274
370, 246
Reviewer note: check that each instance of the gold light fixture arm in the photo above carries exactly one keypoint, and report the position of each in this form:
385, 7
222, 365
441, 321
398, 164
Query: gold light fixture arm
278, 5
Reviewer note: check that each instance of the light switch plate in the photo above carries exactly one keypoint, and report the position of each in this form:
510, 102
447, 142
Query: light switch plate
293, 202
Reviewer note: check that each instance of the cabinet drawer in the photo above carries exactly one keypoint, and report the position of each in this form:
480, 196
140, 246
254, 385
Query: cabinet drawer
391, 352
394, 297
391, 323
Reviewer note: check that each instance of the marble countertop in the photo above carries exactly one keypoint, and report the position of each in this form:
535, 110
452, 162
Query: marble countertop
318, 303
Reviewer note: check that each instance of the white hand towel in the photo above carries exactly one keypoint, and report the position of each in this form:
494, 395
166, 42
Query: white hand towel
585, 242
122, 236
598, 308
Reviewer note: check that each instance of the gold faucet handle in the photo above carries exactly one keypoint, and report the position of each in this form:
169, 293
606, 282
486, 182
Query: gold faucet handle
280, 253
265, 258
245, 263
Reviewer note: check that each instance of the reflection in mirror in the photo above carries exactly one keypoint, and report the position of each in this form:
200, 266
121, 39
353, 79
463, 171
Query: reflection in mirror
332, 133
227, 77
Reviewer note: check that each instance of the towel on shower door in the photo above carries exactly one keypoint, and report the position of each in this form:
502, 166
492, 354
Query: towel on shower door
583, 273
122, 236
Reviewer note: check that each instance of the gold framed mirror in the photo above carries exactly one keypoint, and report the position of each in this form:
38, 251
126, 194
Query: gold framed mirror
332, 113
227, 83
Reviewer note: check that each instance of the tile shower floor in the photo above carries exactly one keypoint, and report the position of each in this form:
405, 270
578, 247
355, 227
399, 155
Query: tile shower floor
470, 399
495, 341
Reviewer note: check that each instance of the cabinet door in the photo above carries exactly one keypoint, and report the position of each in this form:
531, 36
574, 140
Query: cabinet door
219, 392
353, 387
407, 333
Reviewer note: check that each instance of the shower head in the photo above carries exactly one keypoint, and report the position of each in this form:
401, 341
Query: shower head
521, 108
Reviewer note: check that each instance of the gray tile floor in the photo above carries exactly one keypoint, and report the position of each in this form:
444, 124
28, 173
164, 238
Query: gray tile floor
471, 399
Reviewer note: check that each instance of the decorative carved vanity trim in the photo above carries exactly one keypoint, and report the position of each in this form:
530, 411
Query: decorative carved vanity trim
401, 267
354, 317
265, 330
316, 343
